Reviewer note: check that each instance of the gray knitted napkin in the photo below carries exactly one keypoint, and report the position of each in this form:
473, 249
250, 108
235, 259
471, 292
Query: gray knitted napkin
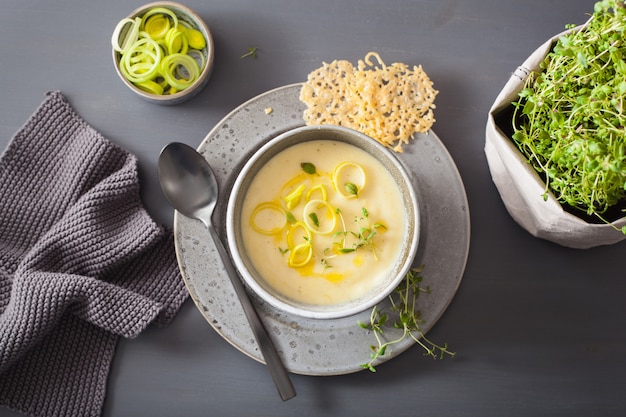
81, 263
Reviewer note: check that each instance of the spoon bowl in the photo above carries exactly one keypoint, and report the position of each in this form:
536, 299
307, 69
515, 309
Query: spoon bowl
191, 188
188, 181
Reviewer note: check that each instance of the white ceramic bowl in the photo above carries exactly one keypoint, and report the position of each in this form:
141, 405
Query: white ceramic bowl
234, 220
190, 17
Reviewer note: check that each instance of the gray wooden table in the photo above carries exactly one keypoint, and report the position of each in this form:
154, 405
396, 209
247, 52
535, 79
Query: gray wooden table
538, 329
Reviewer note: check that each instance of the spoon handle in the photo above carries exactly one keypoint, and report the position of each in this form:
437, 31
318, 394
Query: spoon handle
273, 361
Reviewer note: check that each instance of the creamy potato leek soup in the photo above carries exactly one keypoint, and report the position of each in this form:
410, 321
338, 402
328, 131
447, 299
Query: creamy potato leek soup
323, 222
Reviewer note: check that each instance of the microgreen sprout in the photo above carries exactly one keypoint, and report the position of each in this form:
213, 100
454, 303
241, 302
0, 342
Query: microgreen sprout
403, 305
364, 237
570, 119
325, 264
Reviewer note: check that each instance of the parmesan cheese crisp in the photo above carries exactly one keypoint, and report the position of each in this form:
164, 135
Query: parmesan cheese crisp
389, 104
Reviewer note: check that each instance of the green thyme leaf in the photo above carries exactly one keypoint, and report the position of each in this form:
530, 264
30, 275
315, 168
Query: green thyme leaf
352, 189
308, 167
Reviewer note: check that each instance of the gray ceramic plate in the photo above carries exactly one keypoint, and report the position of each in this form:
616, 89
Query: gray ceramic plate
309, 346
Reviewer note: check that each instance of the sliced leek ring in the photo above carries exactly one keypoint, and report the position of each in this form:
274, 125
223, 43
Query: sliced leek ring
327, 222
268, 207
321, 188
292, 232
300, 255
150, 86
198, 56
131, 34
159, 10
179, 70
141, 61
156, 26
176, 42
340, 171
195, 38
295, 182
293, 198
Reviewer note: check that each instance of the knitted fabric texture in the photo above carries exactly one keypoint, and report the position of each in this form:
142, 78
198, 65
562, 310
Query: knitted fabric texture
81, 263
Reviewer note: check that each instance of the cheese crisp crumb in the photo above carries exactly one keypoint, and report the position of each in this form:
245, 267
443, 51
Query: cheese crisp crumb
389, 104
268, 110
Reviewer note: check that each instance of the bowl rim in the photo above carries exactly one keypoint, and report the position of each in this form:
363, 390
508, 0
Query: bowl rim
409, 248
194, 88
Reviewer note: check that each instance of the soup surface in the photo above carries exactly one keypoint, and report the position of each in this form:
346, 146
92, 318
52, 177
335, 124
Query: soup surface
323, 222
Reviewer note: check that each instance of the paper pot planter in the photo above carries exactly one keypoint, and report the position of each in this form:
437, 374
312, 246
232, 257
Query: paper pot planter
521, 187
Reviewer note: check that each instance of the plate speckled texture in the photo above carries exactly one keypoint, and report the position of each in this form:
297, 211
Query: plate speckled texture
310, 346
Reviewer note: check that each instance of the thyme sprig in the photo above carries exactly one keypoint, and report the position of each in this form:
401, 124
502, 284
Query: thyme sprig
404, 303
252, 50
570, 119
349, 240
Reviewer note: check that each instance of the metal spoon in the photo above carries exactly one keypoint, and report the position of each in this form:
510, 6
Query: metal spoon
191, 188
